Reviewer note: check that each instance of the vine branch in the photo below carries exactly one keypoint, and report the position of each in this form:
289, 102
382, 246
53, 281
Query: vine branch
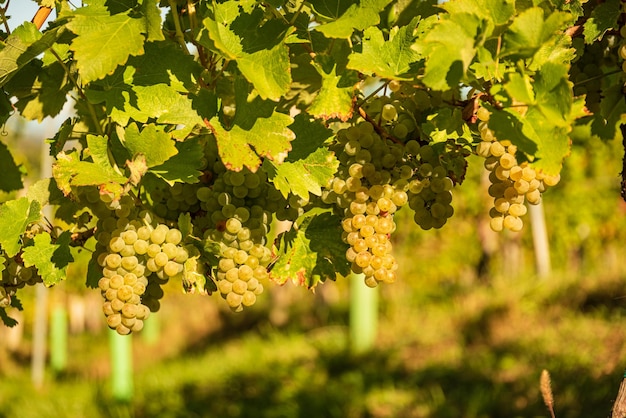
180, 36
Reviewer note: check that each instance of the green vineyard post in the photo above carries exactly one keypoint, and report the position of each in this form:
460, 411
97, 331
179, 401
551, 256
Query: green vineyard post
541, 244
121, 366
363, 314
152, 329
58, 339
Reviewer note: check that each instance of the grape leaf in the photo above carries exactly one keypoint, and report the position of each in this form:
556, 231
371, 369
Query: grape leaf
94, 272
509, 125
150, 9
183, 167
309, 166
520, 88
257, 131
184, 224
336, 95
51, 259
24, 44
141, 103
530, 30
450, 47
69, 171
612, 113
391, 59
45, 191
311, 253
304, 176
11, 178
6, 319
257, 47
154, 143
553, 143
268, 70
104, 41
603, 17
41, 91
357, 16
499, 12
164, 63
15, 216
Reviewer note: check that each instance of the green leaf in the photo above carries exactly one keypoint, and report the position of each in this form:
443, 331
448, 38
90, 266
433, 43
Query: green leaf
104, 41
499, 12
531, 29
311, 253
257, 47
24, 44
450, 47
553, 143
69, 171
520, 88
163, 63
359, 15
386, 59
150, 9
41, 91
94, 272
11, 178
612, 113
304, 176
51, 259
258, 131
184, 224
603, 17
184, 167
154, 143
6, 319
268, 70
45, 191
141, 103
309, 166
508, 124
15, 216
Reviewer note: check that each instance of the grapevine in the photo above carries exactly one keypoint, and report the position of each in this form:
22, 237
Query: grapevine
198, 132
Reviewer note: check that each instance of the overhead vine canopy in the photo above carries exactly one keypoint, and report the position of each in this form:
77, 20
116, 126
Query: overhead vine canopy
196, 124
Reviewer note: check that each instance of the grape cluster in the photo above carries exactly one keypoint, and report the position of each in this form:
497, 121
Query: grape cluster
512, 183
238, 224
169, 202
369, 187
430, 193
394, 115
137, 256
594, 65
15, 276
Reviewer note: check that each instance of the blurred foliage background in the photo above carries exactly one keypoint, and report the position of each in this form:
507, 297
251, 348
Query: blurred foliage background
465, 331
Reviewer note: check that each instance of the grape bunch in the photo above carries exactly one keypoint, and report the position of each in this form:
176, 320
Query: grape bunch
238, 224
15, 276
512, 183
369, 187
430, 193
137, 256
394, 115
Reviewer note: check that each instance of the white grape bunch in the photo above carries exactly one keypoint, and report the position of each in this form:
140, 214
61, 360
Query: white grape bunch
512, 183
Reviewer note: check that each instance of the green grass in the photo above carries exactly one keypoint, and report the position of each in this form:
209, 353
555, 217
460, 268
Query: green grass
443, 351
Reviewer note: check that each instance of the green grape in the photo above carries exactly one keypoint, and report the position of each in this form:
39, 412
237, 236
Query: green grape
389, 112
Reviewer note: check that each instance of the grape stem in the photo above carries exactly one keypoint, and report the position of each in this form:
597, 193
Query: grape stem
3, 15
597, 77
180, 37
